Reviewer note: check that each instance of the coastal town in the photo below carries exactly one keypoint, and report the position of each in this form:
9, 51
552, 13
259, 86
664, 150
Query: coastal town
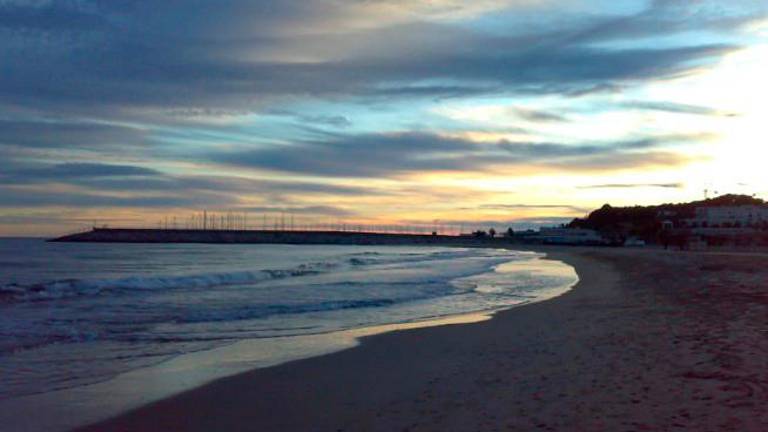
727, 220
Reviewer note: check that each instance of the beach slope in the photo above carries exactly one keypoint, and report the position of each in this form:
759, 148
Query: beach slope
648, 340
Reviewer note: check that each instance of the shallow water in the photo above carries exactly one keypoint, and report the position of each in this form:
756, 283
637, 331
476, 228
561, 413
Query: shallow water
78, 314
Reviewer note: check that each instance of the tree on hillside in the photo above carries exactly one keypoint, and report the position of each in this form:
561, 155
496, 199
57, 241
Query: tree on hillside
645, 221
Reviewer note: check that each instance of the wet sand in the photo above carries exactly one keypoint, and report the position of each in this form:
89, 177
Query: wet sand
648, 340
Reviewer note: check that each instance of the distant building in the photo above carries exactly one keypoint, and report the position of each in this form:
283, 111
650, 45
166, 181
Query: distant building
572, 236
729, 217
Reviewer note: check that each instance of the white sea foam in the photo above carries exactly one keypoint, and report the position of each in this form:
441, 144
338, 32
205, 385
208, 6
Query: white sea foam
76, 287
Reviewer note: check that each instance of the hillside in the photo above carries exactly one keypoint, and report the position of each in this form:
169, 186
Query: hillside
645, 221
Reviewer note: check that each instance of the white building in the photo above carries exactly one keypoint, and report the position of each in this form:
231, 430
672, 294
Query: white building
735, 216
570, 236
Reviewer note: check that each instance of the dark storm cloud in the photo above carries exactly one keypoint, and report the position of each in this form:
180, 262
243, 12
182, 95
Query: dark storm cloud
164, 183
674, 108
545, 69
56, 217
172, 83
101, 184
610, 88
134, 54
436, 91
42, 134
14, 197
538, 116
537, 151
664, 17
77, 173
244, 186
383, 155
87, 170
53, 16
370, 155
338, 121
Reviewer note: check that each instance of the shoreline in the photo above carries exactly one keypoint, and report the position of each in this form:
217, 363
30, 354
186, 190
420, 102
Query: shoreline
189, 371
357, 339
119, 395
647, 340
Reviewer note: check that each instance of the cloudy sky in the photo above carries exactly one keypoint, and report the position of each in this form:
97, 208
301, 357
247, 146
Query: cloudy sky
375, 111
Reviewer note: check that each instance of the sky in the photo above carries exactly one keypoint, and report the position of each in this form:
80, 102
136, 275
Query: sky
483, 113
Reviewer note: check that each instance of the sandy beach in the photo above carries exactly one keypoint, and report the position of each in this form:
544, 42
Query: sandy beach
648, 340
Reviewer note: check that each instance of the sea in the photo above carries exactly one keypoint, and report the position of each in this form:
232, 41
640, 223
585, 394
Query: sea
74, 315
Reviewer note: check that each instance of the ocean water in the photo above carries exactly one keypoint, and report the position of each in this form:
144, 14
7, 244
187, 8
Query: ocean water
78, 314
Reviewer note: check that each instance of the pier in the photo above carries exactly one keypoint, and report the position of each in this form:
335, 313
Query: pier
144, 235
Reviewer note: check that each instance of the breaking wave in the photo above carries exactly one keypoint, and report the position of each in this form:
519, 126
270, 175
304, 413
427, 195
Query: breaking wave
66, 288
76, 287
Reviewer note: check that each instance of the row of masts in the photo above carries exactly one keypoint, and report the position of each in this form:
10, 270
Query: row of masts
243, 221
